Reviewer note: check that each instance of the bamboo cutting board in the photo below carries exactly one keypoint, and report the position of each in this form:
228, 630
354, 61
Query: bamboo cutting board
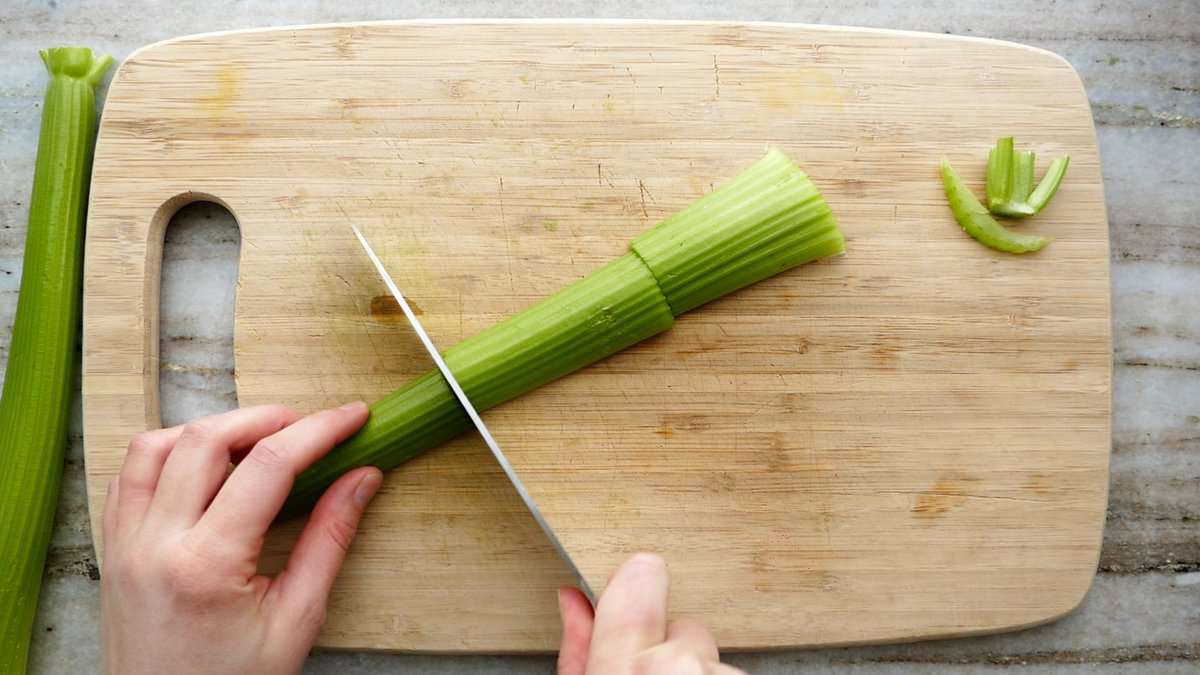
906, 442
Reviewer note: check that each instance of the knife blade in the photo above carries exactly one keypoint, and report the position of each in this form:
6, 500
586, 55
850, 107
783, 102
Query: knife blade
475, 418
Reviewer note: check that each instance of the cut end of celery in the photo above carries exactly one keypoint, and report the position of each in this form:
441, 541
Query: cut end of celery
768, 219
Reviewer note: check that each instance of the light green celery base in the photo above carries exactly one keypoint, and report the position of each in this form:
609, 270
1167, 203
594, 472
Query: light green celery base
768, 219
36, 403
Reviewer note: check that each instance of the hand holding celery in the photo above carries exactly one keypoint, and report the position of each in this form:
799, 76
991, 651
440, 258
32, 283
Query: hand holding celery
36, 404
768, 219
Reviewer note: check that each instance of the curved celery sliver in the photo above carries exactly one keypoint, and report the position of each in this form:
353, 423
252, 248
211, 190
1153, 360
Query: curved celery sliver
977, 222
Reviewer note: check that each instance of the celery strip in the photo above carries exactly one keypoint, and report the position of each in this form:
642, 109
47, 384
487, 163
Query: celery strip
766, 220
1049, 186
35, 408
999, 172
975, 220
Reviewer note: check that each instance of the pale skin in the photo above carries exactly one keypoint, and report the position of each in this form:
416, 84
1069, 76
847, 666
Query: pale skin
181, 589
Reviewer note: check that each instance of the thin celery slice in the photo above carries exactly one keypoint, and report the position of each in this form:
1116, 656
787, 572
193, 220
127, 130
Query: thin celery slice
1049, 186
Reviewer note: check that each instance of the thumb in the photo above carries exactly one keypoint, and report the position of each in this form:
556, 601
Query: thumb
577, 619
302, 588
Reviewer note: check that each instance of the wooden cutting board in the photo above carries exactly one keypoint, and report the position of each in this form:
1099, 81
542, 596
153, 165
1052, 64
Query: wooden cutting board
906, 442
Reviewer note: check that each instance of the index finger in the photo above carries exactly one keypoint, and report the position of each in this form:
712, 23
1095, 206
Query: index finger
255, 491
632, 614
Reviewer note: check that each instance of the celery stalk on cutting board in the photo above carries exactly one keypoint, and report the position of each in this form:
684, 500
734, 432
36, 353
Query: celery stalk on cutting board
768, 219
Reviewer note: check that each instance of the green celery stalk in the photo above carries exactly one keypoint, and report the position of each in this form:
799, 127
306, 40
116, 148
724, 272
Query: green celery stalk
767, 219
975, 220
36, 404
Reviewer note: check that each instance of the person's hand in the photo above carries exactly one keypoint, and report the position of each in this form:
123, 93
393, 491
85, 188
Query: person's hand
180, 585
628, 634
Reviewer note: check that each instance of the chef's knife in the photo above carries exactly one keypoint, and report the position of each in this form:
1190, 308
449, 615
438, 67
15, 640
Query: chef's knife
474, 415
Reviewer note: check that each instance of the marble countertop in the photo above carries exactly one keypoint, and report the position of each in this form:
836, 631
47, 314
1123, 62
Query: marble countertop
1140, 62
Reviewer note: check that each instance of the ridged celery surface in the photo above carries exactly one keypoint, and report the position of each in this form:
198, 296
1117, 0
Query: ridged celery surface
768, 219
36, 404
1010, 190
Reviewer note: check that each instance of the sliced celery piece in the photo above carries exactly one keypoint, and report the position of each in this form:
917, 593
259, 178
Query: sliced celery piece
975, 220
1010, 174
766, 220
999, 172
1049, 185
35, 408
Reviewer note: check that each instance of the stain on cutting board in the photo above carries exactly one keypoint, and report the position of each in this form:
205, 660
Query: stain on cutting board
801, 88
385, 308
217, 103
949, 492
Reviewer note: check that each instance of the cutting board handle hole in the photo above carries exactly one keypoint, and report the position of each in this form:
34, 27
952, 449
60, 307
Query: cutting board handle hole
200, 246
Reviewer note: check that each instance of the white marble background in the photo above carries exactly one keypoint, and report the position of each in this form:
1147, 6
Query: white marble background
1140, 62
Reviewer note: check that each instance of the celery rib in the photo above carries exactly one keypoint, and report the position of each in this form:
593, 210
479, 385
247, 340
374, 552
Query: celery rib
36, 404
768, 219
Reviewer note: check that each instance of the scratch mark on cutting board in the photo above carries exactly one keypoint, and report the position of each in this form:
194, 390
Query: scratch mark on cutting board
949, 492
507, 242
716, 77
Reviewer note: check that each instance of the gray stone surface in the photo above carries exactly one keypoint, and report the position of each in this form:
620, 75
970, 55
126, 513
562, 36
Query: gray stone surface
1140, 62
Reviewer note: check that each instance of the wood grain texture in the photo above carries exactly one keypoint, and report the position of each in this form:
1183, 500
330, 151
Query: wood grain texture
911, 441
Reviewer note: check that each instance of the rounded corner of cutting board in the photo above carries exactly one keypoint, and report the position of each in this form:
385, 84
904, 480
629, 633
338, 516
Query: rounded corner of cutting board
627, 157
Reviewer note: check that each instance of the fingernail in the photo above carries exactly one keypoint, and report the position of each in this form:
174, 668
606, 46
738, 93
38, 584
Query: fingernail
353, 406
367, 487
